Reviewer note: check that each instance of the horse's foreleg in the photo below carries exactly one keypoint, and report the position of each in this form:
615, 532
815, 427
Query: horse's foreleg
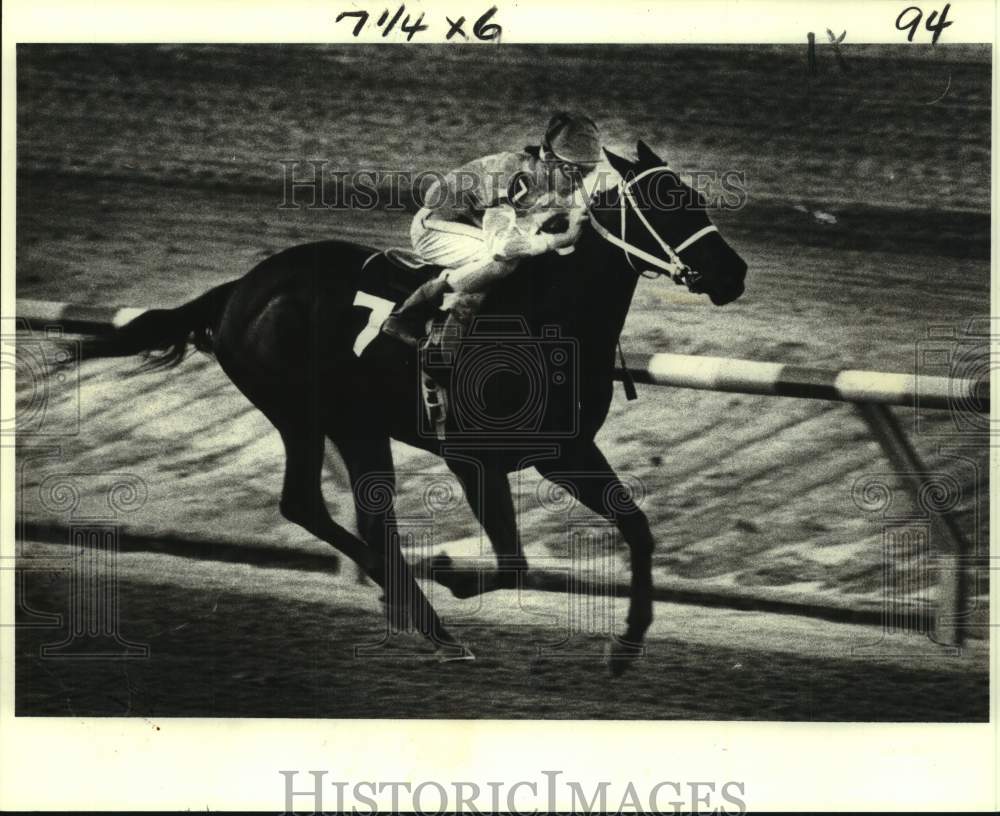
488, 493
598, 488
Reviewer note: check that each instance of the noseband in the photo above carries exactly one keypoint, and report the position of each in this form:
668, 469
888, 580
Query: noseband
678, 271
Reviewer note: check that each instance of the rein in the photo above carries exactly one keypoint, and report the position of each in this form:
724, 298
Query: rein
678, 271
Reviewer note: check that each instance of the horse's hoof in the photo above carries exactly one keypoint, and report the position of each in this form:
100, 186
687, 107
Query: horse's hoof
441, 568
441, 561
454, 654
619, 656
462, 583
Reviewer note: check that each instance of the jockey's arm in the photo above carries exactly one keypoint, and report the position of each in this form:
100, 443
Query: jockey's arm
479, 193
471, 189
509, 236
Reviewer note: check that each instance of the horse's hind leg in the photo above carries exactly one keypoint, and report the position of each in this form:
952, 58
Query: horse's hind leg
302, 499
373, 482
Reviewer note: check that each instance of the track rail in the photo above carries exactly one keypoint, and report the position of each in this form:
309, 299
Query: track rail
781, 380
677, 370
871, 392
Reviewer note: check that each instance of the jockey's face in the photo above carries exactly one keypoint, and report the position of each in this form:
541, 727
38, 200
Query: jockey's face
566, 176
576, 173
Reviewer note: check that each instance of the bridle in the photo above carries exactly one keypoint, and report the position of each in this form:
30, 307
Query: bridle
678, 271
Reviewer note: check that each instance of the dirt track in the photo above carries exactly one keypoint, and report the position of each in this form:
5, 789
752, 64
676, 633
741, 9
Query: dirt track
144, 182
243, 641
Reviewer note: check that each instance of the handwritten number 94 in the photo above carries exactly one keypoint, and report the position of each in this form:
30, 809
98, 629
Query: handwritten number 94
909, 18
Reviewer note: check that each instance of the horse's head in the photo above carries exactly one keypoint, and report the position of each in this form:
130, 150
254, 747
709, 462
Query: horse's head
662, 226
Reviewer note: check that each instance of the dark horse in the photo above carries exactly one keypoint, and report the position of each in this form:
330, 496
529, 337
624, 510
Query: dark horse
286, 335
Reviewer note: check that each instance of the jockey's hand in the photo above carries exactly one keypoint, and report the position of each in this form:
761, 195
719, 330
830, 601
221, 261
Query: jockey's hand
510, 244
563, 239
515, 243
555, 224
574, 223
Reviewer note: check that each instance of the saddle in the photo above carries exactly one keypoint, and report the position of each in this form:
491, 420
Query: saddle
398, 265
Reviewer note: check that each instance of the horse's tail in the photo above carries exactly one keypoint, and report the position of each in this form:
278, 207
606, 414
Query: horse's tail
162, 335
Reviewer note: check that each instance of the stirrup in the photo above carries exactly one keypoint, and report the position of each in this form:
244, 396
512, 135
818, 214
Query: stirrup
413, 332
410, 319
435, 404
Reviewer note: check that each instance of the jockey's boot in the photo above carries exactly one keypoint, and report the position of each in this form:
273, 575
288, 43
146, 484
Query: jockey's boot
445, 338
409, 322
440, 353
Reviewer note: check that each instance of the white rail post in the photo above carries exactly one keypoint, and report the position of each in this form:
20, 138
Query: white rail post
946, 537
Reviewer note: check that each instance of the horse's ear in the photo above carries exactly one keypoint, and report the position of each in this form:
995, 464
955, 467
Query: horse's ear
622, 165
647, 158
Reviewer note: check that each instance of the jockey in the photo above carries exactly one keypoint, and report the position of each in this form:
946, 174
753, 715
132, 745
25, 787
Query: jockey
480, 220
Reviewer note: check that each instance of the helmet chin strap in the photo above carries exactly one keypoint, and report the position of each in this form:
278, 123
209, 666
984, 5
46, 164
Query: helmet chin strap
678, 271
